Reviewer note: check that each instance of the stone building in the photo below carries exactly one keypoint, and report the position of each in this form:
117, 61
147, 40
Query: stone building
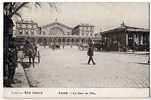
60, 34
83, 30
27, 28
55, 33
126, 38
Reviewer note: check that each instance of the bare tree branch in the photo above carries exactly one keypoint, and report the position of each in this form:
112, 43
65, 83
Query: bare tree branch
14, 7
37, 4
13, 4
18, 8
53, 5
18, 14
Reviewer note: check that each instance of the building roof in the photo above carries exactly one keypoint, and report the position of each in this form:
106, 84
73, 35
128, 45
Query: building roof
125, 28
84, 25
25, 22
51, 24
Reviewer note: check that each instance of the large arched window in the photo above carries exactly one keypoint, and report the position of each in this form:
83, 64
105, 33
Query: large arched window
56, 31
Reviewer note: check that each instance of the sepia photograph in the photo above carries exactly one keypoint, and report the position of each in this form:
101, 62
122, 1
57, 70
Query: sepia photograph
76, 45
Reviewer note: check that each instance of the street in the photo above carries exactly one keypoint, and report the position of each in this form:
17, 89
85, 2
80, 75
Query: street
68, 68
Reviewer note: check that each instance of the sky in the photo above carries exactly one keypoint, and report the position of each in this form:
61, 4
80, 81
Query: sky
103, 16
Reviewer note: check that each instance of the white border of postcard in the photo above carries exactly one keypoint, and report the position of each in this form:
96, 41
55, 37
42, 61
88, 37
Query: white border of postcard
70, 92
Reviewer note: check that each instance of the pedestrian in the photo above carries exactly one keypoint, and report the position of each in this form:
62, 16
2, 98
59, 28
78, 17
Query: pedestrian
90, 54
12, 57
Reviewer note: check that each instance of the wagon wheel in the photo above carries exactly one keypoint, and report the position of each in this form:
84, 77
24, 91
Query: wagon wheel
38, 57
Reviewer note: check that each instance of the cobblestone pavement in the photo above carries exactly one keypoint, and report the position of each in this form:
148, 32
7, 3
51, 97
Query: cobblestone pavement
69, 68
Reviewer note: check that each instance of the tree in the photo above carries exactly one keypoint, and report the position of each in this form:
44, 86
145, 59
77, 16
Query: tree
11, 9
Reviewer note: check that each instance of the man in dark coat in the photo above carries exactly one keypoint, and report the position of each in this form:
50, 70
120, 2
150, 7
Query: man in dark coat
12, 57
90, 54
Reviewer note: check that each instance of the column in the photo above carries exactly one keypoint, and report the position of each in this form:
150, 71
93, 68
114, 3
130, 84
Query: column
126, 42
141, 39
134, 42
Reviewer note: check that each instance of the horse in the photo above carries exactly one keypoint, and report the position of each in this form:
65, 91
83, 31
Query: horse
30, 53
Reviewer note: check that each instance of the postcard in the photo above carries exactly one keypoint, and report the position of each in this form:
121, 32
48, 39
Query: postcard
76, 49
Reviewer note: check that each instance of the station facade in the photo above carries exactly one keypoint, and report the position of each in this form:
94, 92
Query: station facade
56, 33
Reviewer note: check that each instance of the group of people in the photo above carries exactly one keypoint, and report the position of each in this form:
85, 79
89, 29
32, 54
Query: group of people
11, 58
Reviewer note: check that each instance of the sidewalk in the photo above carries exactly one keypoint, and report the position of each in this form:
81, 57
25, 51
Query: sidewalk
20, 76
24, 77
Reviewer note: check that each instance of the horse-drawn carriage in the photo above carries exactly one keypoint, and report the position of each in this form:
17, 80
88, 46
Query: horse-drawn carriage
27, 52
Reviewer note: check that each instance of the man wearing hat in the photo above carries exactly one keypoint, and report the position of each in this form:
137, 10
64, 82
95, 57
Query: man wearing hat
90, 53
